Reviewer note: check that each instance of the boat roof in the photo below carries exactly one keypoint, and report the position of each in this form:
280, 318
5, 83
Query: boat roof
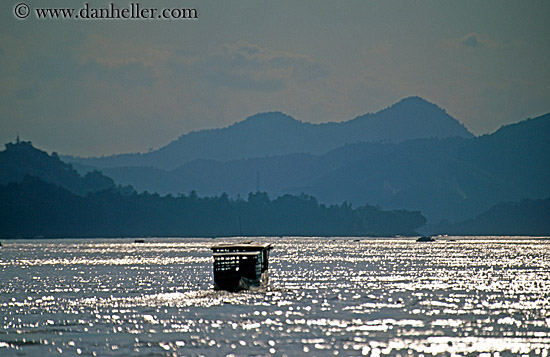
232, 254
244, 246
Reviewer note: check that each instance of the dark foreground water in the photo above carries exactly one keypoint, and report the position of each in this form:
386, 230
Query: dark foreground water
327, 297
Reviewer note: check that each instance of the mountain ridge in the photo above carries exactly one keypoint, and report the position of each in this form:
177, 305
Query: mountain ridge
451, 178
276, 133
448, 180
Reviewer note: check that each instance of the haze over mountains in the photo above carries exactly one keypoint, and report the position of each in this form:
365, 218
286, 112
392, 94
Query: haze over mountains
452, 178
411, 155
440, 169
275, 133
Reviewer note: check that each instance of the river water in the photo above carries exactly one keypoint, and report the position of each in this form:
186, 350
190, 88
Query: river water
328, 296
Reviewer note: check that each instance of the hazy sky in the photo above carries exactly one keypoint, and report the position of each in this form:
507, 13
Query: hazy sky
113, 86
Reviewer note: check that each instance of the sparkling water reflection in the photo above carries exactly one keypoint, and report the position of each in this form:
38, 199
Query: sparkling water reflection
327, 297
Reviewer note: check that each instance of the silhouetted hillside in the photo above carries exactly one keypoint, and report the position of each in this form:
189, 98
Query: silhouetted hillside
518, 155
275, 133
21, 159
527, 217
449, 178
33, 208
453, 178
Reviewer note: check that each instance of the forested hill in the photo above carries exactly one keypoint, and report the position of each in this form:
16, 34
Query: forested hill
42, 196
21, 158
34, 208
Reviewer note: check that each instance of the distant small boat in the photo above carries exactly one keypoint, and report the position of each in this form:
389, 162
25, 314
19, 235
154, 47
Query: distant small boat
241, 266
139, 240
425, 239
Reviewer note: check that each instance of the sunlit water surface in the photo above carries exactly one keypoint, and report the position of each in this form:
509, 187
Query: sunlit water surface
327, 297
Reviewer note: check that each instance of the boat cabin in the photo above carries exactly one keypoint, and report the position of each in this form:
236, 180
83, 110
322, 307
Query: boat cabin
241, 266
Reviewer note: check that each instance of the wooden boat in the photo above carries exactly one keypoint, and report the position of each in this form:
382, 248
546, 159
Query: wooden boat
425, 239
241, 266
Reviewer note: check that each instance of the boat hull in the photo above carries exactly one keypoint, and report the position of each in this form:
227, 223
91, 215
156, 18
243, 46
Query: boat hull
236, 282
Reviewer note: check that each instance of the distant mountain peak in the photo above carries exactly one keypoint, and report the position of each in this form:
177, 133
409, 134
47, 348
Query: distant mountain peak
411, 117
414, 99
267, 118
270, 115
415, 103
